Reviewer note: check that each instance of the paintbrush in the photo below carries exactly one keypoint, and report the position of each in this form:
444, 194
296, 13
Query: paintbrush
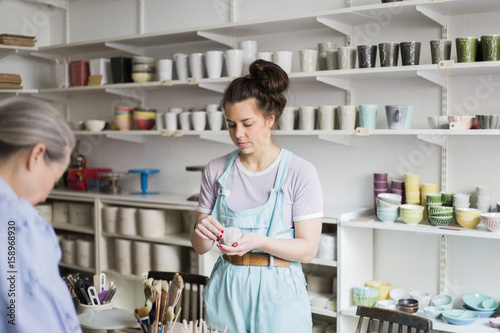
158, 305
148, 289
80, 285
141, 313
163, 303
152, 316
72, 282
169, 318
175, 290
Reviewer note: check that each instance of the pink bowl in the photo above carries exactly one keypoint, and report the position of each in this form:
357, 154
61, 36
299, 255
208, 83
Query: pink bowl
468, 120
144, 124
491, 221
123, 124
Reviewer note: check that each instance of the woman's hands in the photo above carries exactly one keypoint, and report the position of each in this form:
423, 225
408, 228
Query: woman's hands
208, 228
245, 244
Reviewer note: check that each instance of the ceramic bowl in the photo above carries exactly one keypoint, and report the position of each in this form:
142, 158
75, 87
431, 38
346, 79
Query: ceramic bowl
439, 209
144, 124
398, 293
468, 222
412, 208
366, 291
475, 301
439, 122
388, 215
143, 77
491, 221
482, 314
143, 60
460, 317
468, 212
443, 301
412, 219
433, 311
394, 199
95, 125
434, 198
440, 221
408, 305
488, 121
423, 297
387, 304
468, 120
143, 68
76, 125
144, 114
365, 300
383, 287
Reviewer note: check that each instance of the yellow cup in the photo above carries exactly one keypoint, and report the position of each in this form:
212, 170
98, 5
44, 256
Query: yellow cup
429, 188
412, 179
383, 287
412, 187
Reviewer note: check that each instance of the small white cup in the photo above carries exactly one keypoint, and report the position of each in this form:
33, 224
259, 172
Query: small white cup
267, 56
181, 65
213, 62
142, 257
347, 117
284, 60
234, 62
85, 253
308, 60
164, 69
326, 117
127, 221
199, 120
159, 121
307, 115
287, 119
197, 65
185, 120
249, 48
170, 121
110, 218
123, 256
215, 120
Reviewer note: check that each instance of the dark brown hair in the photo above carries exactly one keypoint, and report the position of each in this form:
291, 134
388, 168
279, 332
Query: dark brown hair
266, 83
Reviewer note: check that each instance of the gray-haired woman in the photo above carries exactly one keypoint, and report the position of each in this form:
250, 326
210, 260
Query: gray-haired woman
35, 146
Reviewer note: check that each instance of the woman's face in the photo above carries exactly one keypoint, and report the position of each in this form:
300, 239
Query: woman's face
248, 128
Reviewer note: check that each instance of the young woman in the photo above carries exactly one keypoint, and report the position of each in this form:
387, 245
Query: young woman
275, 198
35, 145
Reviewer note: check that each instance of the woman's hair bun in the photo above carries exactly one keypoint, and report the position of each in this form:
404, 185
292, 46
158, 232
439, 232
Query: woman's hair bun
269, 76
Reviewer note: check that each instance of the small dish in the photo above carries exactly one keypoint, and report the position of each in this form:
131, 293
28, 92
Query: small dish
475, 301
460, 317
482, 314
495, 322
444, 301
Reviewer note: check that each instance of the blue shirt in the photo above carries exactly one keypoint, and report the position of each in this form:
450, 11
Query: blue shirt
33, 296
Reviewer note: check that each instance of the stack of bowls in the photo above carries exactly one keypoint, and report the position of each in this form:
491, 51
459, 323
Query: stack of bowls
124, 117
468, 217
480, 304
491, 221
440, 216
424, 190
143, 69
384, 289
387, 206
144, 118
365, 296
447, 199
483, 198
379, 186
412, 214
460, 200
460, 317
408, 305
412, 189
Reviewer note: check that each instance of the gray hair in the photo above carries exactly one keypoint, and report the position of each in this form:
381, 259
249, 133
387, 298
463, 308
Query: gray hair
25, 122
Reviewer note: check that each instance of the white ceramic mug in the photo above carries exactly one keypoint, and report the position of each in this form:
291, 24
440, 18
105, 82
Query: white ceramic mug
181, 65
249, 48
267, 56
142, 257
199, 120
170, 121
197, 65
85, 253
215, 120
347, 117
185, 120
123, 256
110, 218
164, 69
234, 62
213, 62
326, 117
308, 60
284, 60
287, 119
307, 116
127, 221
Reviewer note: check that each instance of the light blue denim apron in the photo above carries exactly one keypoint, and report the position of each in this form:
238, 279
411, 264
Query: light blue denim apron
257, 299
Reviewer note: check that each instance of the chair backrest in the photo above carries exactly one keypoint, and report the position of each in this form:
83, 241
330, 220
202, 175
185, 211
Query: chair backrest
191, 301
404, 320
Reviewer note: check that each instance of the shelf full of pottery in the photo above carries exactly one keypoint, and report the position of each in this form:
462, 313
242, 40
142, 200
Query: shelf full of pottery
74, 225
442, 309
410, 202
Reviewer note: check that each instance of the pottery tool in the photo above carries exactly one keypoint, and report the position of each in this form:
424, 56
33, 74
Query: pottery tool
76, 301
163, 302
81, 286
148, 289
152, 316
175, 290
109, 295
102, 282
95, 279
94, 298
158, 305
139, 314
169, 318
102, 295
77, 291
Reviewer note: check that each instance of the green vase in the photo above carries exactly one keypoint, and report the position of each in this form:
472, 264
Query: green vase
466, 49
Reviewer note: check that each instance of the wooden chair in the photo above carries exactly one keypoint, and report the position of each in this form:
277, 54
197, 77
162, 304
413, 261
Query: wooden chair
404, 320
191, 298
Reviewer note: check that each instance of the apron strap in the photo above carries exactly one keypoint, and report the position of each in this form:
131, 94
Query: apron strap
286, 156
230, 160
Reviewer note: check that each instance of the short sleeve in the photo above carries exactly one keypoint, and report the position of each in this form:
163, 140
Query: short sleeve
306, 191
209, 184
